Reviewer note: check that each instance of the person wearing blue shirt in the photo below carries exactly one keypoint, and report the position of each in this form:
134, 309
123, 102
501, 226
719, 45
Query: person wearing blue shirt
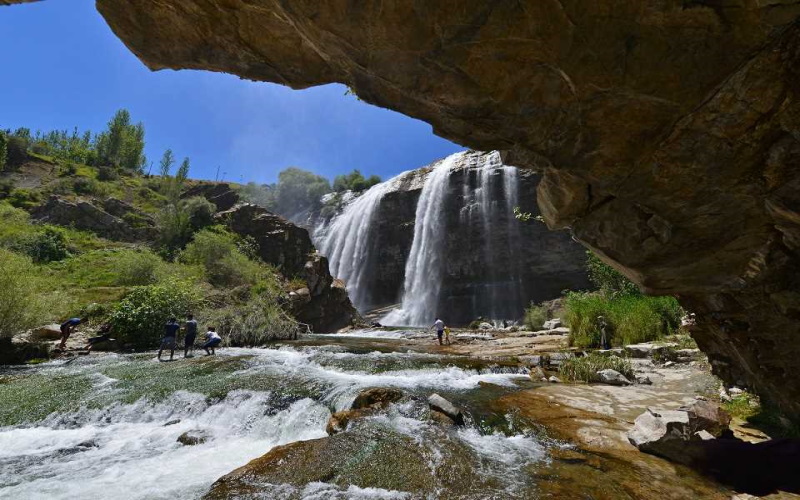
66, 330
170, 338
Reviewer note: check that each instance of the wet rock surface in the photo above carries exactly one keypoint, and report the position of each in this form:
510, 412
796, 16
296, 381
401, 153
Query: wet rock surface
193, 437
659, 127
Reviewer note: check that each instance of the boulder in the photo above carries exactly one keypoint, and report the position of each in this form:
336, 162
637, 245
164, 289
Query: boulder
46, 332
612, 377
193, 437
707, 416
19, 350
551, 324
83, 215
664, 433
376, 398
554, 380
441, 405
441, 419
538, 375
485, 326
219, 193
643, 380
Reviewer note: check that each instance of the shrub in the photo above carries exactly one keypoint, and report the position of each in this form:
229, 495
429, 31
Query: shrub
47, 245
68, 170
23, 198
140, 317
6, 186
16, 151
21, 306
201, 212
585, 368
174, 229
225, 265
87, 186
107, 174
630, 318
254, 323
3, 150
134, 267
535, 316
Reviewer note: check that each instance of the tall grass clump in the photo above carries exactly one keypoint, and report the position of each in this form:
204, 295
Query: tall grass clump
216, 250
629, 319
585, 368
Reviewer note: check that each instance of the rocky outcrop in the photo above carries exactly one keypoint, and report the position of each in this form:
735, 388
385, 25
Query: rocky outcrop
667, 131
323, 304
219, 193
84, 215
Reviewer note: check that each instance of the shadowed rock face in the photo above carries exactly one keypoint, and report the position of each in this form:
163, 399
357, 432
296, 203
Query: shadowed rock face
667, 130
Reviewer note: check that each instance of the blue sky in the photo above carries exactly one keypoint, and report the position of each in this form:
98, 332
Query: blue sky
63, 67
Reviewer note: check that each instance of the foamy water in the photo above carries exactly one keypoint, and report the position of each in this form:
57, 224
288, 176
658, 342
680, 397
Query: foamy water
127, 450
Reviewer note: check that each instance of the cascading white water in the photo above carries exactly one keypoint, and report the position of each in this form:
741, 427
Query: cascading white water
346, 242
424, 264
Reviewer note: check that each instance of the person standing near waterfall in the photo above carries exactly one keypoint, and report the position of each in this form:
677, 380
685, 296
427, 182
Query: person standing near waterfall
439, 326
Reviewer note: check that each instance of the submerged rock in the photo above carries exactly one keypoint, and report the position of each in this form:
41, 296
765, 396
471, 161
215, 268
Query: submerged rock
441, 405
194, 437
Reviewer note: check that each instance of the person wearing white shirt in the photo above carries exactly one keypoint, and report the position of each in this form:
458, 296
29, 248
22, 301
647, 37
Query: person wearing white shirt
212, 340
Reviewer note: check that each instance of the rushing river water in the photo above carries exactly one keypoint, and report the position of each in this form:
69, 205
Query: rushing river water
106, 426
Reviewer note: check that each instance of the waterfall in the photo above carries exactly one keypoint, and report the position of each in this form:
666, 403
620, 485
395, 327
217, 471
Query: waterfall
424, 265
347, 242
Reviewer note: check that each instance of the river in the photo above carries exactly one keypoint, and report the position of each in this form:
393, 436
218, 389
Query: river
106, 426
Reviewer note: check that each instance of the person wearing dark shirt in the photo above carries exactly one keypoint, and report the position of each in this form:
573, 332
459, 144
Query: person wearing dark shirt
170, 338
66, 330
191, 335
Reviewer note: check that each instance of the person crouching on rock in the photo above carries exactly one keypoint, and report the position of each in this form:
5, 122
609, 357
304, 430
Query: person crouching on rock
170, 338
104, 335
212, 340
66, 330
439, 326
191, 334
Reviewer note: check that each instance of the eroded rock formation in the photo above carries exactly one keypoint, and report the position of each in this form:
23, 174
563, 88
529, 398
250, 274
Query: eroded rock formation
667, 130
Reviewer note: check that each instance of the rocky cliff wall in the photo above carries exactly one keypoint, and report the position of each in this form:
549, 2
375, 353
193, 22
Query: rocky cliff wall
668, 131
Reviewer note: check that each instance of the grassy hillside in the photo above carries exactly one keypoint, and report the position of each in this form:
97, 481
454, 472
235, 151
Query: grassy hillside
56, 272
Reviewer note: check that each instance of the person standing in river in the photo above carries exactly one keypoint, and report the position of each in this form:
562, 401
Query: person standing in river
191, 335
170, 338
439, 326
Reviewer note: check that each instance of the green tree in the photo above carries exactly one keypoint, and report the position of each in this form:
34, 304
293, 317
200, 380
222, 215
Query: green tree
3, 150
354, 181
122, 143
166, 163
299, 190
607, 279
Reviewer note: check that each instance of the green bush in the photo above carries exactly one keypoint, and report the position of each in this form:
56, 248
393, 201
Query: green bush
88, 186
535, 316
630, 318
201, 212
47, 245
258, 321
21, 305
6, 186
225, 265
140, 317
585, 368
107, 174
137, 267
68, 169
23, 198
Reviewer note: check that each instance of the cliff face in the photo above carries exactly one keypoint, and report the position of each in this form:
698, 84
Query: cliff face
494, 265
667, 130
